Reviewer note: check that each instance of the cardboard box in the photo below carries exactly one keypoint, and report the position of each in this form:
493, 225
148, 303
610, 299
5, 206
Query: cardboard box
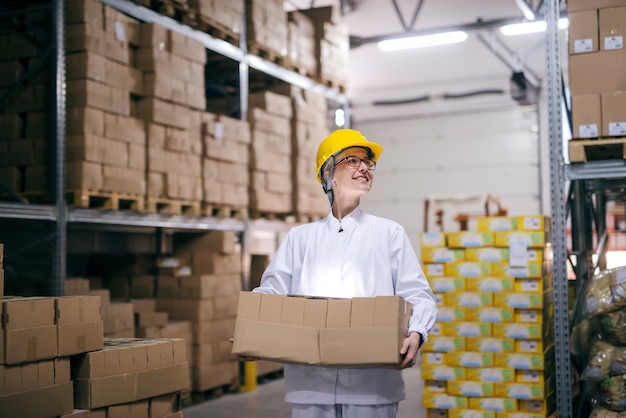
613, 114
282, 328
576, 5
465, 413
443, 401
441, 254
612, 26
489, 284
490, 344
469, 239
54, 400
470, 388
529, 238
583, 31
470, 359
442, 372
597, 72
586, 115
443, 344
451, 314
491, 374
486, 254
495, 223
432, 239
493, 404
447, 284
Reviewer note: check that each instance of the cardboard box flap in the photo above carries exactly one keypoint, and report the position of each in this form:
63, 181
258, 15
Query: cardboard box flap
362, 313
338, 314
249, 305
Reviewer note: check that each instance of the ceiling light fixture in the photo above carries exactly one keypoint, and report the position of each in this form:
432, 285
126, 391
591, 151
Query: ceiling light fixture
530, 27
422, 41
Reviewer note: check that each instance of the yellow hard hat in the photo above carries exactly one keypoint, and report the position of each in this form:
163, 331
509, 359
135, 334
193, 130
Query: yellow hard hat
340, 140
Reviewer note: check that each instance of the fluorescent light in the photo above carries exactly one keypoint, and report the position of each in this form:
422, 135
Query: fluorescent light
422, 41
530, 27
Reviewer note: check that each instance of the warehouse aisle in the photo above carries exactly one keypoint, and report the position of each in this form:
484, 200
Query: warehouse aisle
267, 402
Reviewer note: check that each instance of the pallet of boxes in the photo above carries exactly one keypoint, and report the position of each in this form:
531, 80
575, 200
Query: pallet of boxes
201, 285
597, 59
491, 351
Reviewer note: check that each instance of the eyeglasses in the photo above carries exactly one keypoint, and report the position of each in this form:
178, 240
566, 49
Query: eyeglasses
355, 162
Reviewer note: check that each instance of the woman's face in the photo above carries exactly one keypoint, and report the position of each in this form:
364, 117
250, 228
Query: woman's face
352, 180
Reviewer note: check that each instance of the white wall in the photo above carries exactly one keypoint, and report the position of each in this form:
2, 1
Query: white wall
456, 159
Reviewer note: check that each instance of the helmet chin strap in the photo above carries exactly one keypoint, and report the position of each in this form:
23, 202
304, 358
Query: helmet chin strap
327, 184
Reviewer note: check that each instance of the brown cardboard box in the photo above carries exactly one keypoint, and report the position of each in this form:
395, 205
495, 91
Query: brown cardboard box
612, 27
597, 72
80, 327
377, 328
28, 329
575, 5
162, 406
583, 31
50, 401
586, 116
614, 114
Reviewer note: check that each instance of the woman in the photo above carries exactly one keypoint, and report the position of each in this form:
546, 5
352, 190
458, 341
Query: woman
350, 254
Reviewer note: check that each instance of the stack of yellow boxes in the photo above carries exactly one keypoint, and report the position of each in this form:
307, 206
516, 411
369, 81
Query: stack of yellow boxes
491, 351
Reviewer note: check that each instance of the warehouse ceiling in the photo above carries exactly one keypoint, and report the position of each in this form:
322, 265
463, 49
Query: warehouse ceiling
449, 78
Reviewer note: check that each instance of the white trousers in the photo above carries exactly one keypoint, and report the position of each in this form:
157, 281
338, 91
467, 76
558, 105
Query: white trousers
344, 411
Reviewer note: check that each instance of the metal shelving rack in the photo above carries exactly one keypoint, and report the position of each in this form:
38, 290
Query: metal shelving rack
591, 185
60, 214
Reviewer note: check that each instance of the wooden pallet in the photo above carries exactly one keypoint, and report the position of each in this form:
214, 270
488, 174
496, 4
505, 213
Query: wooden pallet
217, 30
214, 393
214, 210
267, 54
93, 199
330, 83
305, 217
165, 206
586, 150
272, 216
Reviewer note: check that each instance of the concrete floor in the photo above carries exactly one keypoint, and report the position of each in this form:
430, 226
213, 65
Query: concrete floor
268, 401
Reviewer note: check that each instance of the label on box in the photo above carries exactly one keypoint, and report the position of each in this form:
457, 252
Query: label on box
583, 45
218, 130
435, 386
433, 358
518, 254
434, 269
528, 315
588, 131
528, 346
529, 285
617, 128
436, 329
529, 376
613, 42
120, 32
438, 299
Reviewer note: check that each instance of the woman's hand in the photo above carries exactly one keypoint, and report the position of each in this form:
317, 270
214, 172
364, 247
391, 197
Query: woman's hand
409, 351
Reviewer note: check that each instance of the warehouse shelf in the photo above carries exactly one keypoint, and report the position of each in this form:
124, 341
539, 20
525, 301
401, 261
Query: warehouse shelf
228, 50
596, 170
24, 211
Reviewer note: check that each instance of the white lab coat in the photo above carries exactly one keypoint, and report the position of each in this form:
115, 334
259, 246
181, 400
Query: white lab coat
371, 256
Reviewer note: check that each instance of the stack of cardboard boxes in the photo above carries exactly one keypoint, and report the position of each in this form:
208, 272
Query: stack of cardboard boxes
267, 28
224, 16
301, 43
596, 61
38, 337
492, 347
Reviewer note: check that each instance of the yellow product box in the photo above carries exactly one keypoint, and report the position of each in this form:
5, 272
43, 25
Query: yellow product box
467, 329
525, 391
533, 223
518, 300
432, 239
489, 284
468, 299
493, 404
470, 239
435, 386
439, 301
444, 284
470, 388
450, 314
434, 359
490, 314
490, 344
532, 269
491, 374
468, 268
519, 361
529, 238
519, 415
496, 223
529, 285
443, 401
435, 330
470, 413
441, 254
443, 344
469, 359
433, 270
530, 376
529, 346
443, 372
517, 330
529, 315
436, 413
535, 407
487, 254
